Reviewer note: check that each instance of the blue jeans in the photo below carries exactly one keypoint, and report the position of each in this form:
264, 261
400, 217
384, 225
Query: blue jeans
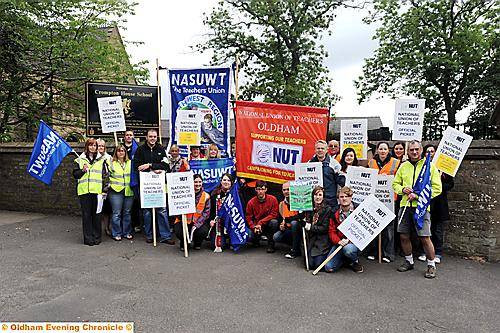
290, 236
162, 221
348, 253
120, 219
315, 261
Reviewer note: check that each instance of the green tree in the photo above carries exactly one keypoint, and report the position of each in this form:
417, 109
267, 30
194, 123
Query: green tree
49, 49
446, 51
278, 44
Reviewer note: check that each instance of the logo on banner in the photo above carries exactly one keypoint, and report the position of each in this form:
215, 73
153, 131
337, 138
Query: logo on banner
276, 155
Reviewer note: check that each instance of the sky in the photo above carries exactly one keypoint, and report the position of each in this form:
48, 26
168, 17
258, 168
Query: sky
169, 28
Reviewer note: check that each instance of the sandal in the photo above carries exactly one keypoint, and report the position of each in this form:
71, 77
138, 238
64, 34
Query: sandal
129, 237
117, 238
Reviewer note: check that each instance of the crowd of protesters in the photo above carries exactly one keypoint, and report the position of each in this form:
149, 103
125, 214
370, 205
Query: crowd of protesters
109, 179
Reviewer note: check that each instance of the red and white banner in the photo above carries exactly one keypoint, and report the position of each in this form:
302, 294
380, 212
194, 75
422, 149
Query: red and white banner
271, 138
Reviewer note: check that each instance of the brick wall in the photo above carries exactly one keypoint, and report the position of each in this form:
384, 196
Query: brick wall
474, 201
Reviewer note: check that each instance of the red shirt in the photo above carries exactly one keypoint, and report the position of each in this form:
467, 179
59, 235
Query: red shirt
260, 213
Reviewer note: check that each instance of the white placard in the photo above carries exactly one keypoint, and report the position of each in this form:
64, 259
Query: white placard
152, 186
354, 134
180, 193
408, 119
309, 172
384, 191
451, 151
366, 222
362, 182
111, 114
188, 127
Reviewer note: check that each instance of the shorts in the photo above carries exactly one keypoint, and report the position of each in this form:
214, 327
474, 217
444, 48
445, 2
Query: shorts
407, 222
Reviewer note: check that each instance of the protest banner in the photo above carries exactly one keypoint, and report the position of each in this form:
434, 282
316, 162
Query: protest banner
451, 151
354, 134
272, 138
139, 103
384, 191
311, 172
152, 187
300, 196
362, 181
212, 171
48, 152
206, 91
111, 114
408, 119
188, 127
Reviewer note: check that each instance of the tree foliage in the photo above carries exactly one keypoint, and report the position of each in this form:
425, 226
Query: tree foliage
277, 42
446, 51
48, 50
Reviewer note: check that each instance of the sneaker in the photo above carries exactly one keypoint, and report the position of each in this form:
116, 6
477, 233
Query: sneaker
263, 237
437, 260
271, 249
422, 257
168, 241
406, 266
430, 273
386, 260
137, 230
357, 267
370, 257
291, 255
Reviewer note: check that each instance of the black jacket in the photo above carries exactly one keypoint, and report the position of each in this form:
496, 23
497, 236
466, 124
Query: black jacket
155, 155
319, 242
439, 205
331, 180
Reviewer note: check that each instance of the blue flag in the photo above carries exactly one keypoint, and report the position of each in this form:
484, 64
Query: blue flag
48, 152
134, 174
212, 170
234, 218
423, 189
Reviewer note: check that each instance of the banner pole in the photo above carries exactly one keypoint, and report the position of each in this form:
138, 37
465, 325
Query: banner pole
236, 73
405, 156
380, 248
154, 226
116, 139
184, 235
305, 248
330, 257
159, 98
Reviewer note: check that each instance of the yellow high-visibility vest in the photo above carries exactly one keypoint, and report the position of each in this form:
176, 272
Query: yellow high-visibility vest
91, 181
119, 177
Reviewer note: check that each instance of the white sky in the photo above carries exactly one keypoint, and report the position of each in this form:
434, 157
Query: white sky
169, 28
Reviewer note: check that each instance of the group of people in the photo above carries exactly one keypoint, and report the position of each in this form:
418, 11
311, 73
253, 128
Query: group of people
99, 174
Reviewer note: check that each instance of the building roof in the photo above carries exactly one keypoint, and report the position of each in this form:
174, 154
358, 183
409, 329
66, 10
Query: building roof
374, 123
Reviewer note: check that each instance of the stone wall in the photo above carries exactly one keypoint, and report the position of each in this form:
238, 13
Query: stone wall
474, 202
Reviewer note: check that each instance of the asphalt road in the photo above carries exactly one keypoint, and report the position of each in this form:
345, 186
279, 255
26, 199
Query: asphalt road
47, 274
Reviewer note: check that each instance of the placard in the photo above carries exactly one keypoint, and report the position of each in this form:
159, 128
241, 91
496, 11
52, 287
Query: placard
362, 181
300, 196
188, 127
311, 172
180, 193
408, 119
451, 151
384, 191
152, 186
354, 134
366, 222
111, 114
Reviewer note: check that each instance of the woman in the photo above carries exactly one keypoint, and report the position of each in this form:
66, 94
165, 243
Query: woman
316, 226
440, 212
120, 194
106, 206
176, 162
92, 181
213, 151
385, 165
218, 240
197, 222
398, 151
348, 159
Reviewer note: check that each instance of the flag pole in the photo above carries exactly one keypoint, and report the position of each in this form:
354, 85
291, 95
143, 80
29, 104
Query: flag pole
159, 98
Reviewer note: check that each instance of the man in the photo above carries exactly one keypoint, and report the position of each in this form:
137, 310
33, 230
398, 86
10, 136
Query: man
334, 150
349, 252
128, 139
289, 232
128, 142
261, 215
151, 156
403, 184
196, 153
331, 177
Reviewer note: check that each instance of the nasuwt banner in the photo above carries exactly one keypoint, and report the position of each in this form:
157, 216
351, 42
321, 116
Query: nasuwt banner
205, 90
48, 152
272, 138
212, 171
354, 134
451, 151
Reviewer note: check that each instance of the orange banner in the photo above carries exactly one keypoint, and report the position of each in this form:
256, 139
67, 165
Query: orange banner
272, 138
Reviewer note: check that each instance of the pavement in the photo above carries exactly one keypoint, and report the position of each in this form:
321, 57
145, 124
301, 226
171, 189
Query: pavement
47, 274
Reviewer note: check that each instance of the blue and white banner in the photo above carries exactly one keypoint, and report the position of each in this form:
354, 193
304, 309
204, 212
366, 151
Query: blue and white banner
234, 218
48, 152
206, 90
423, 189
212, 170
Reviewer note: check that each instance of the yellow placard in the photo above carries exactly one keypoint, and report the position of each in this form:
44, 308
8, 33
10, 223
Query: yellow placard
447, 164
188, 138
358, 148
